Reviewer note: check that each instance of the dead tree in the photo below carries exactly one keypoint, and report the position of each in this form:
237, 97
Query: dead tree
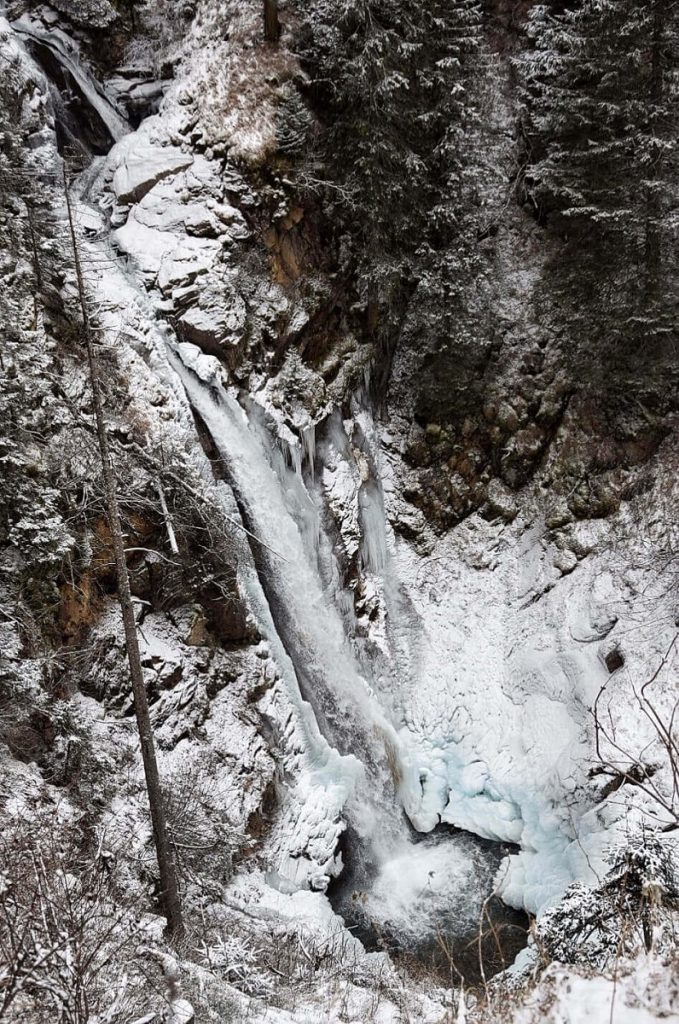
169, 894
272, 28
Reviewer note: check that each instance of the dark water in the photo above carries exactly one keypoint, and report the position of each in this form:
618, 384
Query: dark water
454, 927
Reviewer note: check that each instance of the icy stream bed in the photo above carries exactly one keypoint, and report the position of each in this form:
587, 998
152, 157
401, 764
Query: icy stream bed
430, 900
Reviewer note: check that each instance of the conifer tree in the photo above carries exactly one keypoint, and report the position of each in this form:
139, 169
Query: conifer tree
396, 80
602, 130
397, 86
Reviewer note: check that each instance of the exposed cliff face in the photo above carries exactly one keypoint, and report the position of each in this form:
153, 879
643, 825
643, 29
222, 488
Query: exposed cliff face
396, 532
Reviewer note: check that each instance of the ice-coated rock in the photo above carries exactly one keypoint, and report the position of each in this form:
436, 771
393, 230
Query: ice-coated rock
145, 245
91, 13
181, 266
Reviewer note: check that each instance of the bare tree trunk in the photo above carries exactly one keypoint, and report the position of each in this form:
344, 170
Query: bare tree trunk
169, 894
169, 525
652, 249
272, 29
37, 269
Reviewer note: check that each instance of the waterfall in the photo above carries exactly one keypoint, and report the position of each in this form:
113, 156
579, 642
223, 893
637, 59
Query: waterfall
310, 626
374, 544
68, 59
351, 748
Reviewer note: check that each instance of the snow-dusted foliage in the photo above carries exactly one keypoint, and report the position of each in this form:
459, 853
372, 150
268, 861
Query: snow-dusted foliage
595, 926
600, 108
399, 92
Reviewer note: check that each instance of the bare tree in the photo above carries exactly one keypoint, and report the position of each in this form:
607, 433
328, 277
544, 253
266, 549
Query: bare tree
68, 948
623, 767
169, 893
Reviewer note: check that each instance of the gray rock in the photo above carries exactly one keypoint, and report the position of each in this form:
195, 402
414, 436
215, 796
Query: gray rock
565, 561
90, 13
215, 328
501, 501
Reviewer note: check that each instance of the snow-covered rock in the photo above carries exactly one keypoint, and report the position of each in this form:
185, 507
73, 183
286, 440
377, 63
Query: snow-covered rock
138, 166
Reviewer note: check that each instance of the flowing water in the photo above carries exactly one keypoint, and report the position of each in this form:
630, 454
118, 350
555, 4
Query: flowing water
85, 115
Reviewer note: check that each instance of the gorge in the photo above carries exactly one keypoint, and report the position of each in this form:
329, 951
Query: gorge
397, 465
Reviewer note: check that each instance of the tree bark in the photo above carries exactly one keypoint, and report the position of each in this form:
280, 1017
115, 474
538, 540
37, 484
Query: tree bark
169, 894
652, 246
272, 29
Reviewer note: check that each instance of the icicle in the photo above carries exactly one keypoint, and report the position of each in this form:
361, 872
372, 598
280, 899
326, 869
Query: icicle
374, 542
309, 446
461, 1008
366, 376
345, 603
295, 458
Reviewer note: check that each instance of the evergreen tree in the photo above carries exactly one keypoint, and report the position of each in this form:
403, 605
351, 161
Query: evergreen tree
602, 124
397, 86
393, 80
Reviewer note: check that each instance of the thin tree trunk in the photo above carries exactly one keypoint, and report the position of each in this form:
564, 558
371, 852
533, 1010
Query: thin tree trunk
37, 269
272, 29
169, 895
169, 525
652, 248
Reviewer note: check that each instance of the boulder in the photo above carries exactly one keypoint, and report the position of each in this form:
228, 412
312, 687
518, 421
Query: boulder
145, 245
139, 166
215, 328
501, 501
185, 262
90, 13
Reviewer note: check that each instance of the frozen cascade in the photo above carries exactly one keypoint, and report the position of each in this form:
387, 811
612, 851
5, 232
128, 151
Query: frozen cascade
311, 629
450, 875
309, 446
328, 778
68, 58
294, 457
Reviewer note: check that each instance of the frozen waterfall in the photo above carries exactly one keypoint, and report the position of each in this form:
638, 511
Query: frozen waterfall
60, 49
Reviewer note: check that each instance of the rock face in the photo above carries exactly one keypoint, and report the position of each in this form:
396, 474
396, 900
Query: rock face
216, 328
97, 14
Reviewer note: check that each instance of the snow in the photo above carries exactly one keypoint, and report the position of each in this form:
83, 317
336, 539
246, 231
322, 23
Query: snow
138, 165
173, 260
500, 734
638, 993
182, 1012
